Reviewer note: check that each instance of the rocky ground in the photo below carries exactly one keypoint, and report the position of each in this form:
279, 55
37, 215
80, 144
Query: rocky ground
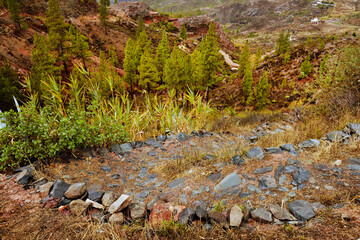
206, 181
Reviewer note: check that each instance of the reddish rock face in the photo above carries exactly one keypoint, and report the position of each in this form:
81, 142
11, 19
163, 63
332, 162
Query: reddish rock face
177, 211
161, 213
51, 203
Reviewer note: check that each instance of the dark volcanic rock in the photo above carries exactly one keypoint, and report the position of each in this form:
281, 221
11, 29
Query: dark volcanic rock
255, 152
186, 216
153, 143
238, 160
337, 136
279, 170
322, 167
300, 177
301, 209
115, 148
126, 147
273, 150
95, 195
58, 189
201, 213
263, 170
177, 182
24, 177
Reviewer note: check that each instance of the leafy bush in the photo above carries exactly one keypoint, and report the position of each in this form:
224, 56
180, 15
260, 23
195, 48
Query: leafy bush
39, 135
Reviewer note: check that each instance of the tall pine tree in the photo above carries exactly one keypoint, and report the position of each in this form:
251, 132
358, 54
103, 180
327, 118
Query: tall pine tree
262, 91
209, 60
104, 13
183, 33
57, 32
43, 64
79, 45
142, 42
14, 8
177, 72
247, 85
162, 54
140, 26
244, 61
148, 74
129, 65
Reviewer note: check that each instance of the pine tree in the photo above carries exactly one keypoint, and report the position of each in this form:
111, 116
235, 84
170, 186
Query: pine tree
57, 32
129, 65
183, 33
262, 91
14, 8
79, 45
162, 54
113, 56
177, 72
142, 42
258, 56
104, 14
148, 74
244, 61
195, 71
43, 64
209, 60
140, 26
247, 85
283, 43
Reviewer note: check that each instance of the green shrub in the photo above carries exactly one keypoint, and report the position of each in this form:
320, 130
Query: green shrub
38, 135
305, 68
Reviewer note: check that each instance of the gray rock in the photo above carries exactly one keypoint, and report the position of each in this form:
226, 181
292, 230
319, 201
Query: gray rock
301, 176
283, 189
279, 170
353, 167
238, 160
153, 143
354, 161
137, 210
183, 198
261, 215
309, 144
122, 202
255, 152
288, 147
115, 148
290, 169
95, 195
150, 205
198, 191
267, 182
281, 213
24, 177
161, 138
75, 191
234, 216
282, 180
58, 189
186, 216
126, 147
253, 188
137, 144
337, 170
182, 137
354, 128
201, 213
78, 207
317, 206
214, 177
301, 209
230, 180
117, 218
108, 198
245, 194
103, 151
144, 194
273, 150
263, 170
322, 167
105, 168
177, 182
337, 136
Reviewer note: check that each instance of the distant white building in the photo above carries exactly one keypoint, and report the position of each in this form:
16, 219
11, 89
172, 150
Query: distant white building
315, 21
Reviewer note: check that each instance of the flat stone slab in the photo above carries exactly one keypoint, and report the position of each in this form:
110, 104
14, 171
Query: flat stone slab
255, 152
281, 213
122, 202
230, 180
263, 170
261, 215
301, 209
177, 182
